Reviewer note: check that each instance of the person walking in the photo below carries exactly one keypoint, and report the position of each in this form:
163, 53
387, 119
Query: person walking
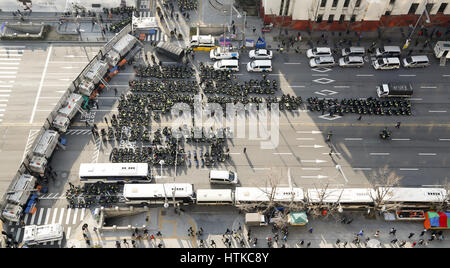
410, 235
394, 241
359, 118
338, 242
245, 150
309, 244
398, 125
377, 234
393, 231
125, 242
115, 92
310, 230
254, 29
361, 233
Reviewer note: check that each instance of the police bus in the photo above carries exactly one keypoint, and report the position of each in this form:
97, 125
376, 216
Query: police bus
114, 172
146, 193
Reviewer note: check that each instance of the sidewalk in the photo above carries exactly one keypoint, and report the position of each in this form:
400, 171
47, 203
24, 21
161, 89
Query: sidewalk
324, 234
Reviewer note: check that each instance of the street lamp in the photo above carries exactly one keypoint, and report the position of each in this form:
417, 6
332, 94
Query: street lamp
425, 11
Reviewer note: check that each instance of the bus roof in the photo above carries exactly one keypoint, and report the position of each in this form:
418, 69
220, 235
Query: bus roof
147, 190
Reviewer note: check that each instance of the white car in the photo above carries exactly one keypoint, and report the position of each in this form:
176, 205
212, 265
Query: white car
322, 62
221, 54
318, 52
351, 61
386, 63
260, 54
226, 65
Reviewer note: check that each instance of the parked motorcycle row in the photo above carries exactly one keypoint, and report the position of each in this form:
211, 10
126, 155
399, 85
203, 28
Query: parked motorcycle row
93, 194
371, 106
188, 5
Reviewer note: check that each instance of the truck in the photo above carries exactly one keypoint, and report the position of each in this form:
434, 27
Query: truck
12, 212
255, 219
120, 49
386, 90
42, 151
96, 72
20, 190
86, 87
39, 234
171, 51
202, 41
67, 113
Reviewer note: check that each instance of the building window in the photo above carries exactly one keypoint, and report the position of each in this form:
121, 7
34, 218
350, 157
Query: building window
286, 8
358, 3
335, 3
330, 19
346, 3
442, 8
323, 3
388, 13
319, 18
353, 19
341, 19
281, 8
392, 2
413, 9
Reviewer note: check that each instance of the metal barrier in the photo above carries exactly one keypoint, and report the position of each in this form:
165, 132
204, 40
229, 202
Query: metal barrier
49, 120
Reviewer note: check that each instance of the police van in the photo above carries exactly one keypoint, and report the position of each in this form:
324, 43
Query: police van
66, 113
203, 41
386, 63
226, 65
416, 61
223, 54
259, 66
223, 177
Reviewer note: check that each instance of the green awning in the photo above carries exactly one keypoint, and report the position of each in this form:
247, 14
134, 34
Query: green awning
298, 218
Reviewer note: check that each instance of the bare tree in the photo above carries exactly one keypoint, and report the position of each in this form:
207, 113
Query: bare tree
383, 182
443, 203
316, 207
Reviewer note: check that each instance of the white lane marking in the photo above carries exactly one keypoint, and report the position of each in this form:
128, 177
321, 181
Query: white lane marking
309, 132
341, 86
362, 168
5, 95
3, 105
401, 139
68, 215
73, 56
3, 100
437, 111
235, 153
9, 68
415, 99
297, 86
320, 74
379, 153
68, 62
304, 139
12, 59
315, 146
446, 75
332, 153
75, 216
363, 75
1, 115
353, 139
427, 87
427, 154
8, 72
41, 83
292, 63
409, 169
315, 177
10, 63
311, 168
282, 153
32, 218
10, 55
317, 161
47, 216
7, 76
406, 75
444, 139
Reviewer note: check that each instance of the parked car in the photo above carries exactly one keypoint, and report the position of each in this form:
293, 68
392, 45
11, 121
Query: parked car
318, 52
322, 62
386, 63
260, 54
221, 54
351, 61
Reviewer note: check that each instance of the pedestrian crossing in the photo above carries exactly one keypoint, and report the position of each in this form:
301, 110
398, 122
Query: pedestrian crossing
10, 58
158, 35
68, 217
78, 132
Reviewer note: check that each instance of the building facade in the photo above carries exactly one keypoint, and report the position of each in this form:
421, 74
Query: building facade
358, 15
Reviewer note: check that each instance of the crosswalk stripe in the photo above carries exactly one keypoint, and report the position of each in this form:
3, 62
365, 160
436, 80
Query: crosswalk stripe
47, 217
75, 216
40, 216
61, 216
10, 55
12, 59
54, 215
68, 232
82, 214
32, 218
68, 215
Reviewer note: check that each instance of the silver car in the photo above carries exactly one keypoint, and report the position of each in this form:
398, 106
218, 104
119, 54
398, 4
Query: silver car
322, 62
351, 61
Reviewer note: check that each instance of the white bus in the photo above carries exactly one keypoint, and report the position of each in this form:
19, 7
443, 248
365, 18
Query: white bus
146, 193
245, 195
114, 172
214, 197
413, 197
